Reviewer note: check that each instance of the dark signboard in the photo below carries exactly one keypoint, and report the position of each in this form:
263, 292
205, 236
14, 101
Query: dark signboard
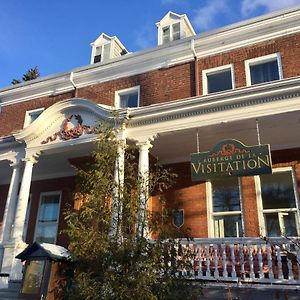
231, 158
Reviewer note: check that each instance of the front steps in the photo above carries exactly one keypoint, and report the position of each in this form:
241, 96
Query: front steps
12, 292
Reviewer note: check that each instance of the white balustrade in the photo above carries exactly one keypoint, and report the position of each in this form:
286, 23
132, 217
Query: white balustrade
240, 260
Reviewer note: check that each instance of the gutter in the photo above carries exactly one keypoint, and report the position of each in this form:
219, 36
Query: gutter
196, 68
73, 83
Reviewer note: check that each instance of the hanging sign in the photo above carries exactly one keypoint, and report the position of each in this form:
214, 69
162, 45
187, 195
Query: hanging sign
231, 158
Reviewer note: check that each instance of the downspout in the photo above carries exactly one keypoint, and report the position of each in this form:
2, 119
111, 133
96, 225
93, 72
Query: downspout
196, 68
73, 83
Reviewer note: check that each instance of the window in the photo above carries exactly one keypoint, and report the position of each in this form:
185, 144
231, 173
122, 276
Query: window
176, 31
226, 215
128, 97
166, 34
218, 79
33, 277
279, 204
171, 33
102, 53
263, 69
32, 115
48, 217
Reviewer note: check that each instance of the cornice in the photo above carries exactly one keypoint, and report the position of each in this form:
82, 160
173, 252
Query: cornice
244, 97
230, 37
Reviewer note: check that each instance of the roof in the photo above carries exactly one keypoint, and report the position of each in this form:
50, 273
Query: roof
103, 36
224, 39
37, 251
171, 14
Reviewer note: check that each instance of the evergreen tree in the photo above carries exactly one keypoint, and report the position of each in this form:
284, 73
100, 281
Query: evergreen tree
31, 74
120, 262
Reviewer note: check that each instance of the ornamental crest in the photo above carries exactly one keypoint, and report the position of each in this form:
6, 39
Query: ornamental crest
178, 217
69, 131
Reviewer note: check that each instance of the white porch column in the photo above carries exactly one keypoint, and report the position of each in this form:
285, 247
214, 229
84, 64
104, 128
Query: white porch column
118, 190
20, 245
11, 203
23, 198
142, 226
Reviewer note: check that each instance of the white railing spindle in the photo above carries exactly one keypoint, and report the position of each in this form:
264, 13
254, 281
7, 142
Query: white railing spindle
260, 263
270, 265
216, 261
224, 259
207, 260
251, 250
279, 262
232, 261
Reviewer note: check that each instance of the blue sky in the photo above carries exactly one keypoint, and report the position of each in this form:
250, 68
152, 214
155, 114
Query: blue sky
55, 35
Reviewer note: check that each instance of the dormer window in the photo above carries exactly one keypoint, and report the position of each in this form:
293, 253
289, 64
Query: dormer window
102, 53
173, 27
106, 47
171, 33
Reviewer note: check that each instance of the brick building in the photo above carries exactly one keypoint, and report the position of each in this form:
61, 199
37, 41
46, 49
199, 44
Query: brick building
184, 96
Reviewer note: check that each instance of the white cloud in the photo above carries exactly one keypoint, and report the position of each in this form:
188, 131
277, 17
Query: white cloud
207, 16
145, 37
249, 6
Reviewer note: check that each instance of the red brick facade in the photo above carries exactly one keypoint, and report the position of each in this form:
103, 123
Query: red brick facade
66, 186
185, 195
192, 197
163, 85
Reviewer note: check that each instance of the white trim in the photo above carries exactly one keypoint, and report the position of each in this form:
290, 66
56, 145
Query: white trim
38, 213
242, 205
261, 222
27, 120
261, 60
209, 209
125, 92
261, 211
217, 70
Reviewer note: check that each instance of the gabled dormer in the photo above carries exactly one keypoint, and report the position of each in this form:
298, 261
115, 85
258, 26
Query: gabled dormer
173, 27
106, 47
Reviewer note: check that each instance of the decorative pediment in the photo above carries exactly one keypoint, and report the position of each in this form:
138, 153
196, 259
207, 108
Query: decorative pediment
72, 119
70, 130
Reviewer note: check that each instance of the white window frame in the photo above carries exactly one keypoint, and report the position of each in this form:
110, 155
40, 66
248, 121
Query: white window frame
216, 71
27, 120
261, 211
170, 25
211, 214
38, 213
260, 60
102, 51
125, 92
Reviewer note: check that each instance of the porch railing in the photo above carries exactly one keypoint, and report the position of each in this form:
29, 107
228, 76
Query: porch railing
241, 260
